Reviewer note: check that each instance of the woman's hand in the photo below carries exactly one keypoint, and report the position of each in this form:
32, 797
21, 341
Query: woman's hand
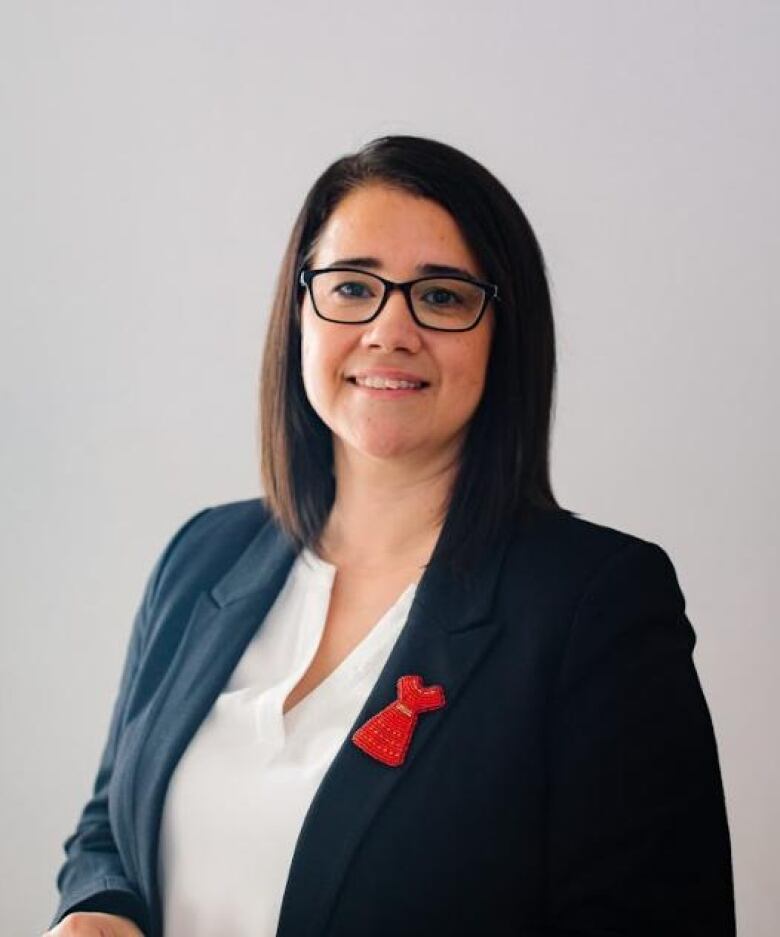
94, 924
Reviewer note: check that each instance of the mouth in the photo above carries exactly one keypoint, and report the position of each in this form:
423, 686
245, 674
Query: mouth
386, 383
387, 387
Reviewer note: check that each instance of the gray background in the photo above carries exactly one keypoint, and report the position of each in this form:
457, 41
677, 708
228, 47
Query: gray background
154, 155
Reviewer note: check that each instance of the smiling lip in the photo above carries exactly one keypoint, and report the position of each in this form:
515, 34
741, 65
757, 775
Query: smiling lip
387, 393
391, 374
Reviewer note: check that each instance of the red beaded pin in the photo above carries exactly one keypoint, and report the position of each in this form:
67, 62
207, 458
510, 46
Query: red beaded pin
387, 735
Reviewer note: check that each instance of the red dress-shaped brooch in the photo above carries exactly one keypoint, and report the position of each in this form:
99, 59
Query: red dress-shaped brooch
387, 735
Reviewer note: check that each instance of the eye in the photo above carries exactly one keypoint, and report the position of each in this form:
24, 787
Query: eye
439, 296
353, 289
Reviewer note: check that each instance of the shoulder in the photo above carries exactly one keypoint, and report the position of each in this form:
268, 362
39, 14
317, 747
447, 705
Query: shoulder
234, 521
575, 559
589, 592
567, 531
206, 546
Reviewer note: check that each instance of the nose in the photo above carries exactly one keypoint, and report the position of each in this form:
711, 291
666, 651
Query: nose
394, 327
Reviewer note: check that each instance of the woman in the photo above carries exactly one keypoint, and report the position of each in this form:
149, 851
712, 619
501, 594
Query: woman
406, 692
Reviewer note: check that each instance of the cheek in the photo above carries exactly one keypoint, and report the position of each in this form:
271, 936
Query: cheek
321, 355
468, 366
306, 359
311, 363
308, 351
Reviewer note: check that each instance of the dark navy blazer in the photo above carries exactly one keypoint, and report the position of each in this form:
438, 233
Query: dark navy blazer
570, 786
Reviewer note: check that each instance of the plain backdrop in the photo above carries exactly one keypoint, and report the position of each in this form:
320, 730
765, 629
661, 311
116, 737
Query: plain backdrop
153, 158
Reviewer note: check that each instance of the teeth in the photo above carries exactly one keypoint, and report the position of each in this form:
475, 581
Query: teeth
384, 383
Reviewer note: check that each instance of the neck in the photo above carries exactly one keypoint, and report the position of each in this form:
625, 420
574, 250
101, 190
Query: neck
385, 515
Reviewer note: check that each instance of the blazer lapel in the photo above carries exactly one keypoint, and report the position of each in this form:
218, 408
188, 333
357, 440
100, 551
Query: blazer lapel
447, 633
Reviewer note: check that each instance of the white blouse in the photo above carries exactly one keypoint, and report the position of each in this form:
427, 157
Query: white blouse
239, 794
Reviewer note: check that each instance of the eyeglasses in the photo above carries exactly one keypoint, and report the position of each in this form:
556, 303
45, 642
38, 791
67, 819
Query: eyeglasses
351, 296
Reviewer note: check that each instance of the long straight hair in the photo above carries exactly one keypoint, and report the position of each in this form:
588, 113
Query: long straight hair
504, 463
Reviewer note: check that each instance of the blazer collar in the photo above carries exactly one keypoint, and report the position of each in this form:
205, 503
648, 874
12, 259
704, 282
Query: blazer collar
452, 601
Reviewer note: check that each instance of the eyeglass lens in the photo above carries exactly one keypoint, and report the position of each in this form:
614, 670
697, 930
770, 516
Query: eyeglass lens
440, 302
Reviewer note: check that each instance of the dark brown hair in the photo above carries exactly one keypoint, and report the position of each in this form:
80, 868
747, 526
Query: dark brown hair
505, 459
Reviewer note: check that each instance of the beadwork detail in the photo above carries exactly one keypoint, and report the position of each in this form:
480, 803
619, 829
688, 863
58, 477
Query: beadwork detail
387, 735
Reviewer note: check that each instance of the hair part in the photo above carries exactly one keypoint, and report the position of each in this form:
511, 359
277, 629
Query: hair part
504, 464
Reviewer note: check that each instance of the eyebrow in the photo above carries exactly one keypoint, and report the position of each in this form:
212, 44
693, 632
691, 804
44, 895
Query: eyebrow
373, 263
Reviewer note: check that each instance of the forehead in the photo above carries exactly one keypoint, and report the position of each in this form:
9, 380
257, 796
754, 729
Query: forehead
398, 228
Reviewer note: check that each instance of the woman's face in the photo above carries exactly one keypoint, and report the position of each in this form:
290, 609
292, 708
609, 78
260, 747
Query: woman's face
402, 232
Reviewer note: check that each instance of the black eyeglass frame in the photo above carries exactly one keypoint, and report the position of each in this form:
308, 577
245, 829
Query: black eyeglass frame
490, 290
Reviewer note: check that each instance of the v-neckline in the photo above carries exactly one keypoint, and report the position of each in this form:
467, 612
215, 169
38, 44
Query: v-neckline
360, 656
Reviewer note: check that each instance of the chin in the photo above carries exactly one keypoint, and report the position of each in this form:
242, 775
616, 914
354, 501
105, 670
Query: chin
383, 445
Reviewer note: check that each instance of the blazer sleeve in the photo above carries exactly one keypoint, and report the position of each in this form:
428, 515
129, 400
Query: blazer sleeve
638, 835
92, 878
